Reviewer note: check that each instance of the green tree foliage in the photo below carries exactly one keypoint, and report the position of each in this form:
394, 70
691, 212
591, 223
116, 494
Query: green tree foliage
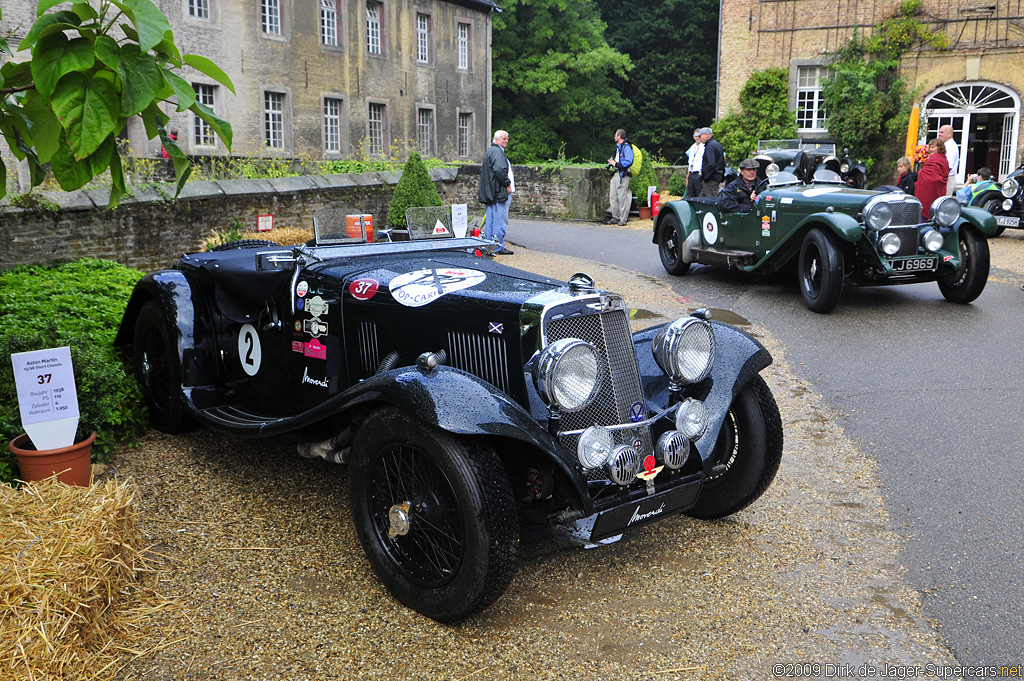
414, 188
552, 81
765, 115
92, 64
672, 86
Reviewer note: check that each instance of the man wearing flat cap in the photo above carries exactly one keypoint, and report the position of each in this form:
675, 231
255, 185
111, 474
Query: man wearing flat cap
740, 194
712, 165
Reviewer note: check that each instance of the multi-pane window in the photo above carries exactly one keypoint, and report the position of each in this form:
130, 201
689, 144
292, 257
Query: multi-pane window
424, 130
270, 16
332, 124
376, 129
810, 108
329, 22
273, 119
202, 133
423, 38
199, 9
373, 12
465, 132
462, 40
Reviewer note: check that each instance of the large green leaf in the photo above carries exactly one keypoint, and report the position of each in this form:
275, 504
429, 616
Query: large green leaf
88, 110
149, 21
71, 173
153, 117
142, 80
116, 179
182, 166
220, 126
55, 56
35, 169
16, 73
45, 5
108, 52
45, 126
100, 159
3, 175
204, 65
182, 89
58, 21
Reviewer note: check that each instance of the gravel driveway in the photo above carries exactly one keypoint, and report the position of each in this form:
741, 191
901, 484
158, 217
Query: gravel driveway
259, 551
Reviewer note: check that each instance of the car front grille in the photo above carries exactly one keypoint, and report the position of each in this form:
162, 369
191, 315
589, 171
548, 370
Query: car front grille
620, 387
906, 212
369, 355
909, 236
483, 356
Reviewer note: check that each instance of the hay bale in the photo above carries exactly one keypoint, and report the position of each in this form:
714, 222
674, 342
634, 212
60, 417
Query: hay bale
76, 589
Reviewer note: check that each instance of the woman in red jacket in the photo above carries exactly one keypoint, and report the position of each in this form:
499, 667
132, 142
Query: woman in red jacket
932, 177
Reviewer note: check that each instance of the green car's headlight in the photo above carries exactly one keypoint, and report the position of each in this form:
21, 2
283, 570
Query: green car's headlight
567, 374
685, 349
945, 211
878, 215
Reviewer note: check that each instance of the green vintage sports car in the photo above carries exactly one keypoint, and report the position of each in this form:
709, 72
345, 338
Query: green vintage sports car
833, 235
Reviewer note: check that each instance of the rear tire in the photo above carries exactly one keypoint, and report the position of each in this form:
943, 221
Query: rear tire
670, 246
821, 271
966, 285
158, 370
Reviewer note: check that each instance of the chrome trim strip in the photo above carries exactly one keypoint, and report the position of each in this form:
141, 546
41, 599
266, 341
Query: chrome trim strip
625, 426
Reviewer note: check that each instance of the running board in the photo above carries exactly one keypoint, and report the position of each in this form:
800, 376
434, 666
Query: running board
723, 257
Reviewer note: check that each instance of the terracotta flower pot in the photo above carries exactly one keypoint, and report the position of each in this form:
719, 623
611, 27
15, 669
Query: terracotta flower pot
645, 212
73, 465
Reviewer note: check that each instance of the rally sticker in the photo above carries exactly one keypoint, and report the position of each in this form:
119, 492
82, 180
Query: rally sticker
314, 349
316, 306
415, 289
766, 226
440, 229
710, 228
314, 327
302, 289
818, 191
363, 289
249, 351
787, 199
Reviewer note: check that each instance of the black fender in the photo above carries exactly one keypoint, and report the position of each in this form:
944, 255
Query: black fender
738, 358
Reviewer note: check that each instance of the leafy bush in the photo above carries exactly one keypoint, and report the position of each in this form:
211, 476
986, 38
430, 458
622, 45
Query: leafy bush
765, 115
78, 304
676, 185
415, 188
643, 178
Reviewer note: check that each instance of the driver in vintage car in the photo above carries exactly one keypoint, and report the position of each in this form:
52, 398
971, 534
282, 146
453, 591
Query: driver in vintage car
740, 194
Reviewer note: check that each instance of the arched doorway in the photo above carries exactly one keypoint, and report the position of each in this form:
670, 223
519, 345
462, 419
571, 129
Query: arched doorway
985, 117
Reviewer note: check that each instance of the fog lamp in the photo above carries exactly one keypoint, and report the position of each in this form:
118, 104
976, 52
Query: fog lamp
890, 244
595, 447
932, 240
692, 418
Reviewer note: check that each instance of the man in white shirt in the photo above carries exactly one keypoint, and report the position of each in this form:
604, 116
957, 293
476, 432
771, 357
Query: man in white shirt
695, 154
952, 155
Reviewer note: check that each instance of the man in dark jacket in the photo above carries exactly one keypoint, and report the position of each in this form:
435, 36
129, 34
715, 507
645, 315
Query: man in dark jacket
494, 191
740, 194
712, 165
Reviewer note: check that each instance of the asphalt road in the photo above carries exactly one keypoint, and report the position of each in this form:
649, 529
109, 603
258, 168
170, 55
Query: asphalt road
929, 389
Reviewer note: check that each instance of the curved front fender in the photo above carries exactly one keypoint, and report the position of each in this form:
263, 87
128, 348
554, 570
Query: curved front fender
683, 212
979, 218
842, 225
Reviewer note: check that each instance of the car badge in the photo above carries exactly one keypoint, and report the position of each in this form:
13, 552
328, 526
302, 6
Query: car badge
297, 346
314, 327
314, 349
298, 326
650, 470
636, 412
302, 289
300, 303
316, 306
322, 383
495, 327
710, 227
363, 289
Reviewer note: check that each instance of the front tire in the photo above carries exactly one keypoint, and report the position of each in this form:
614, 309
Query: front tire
670, 246
821, 271
435, 514
966, 285
158, 370
746, 456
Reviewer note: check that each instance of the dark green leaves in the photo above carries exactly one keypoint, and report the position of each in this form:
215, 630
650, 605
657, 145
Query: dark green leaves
204, 65
88, 108
141, 79
55, 56
149, 22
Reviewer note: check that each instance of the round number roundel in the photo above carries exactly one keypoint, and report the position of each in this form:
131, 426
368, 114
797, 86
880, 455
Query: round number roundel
249, 351
710, 226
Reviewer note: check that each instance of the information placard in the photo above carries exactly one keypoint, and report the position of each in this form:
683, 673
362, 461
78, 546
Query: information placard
460, 219
264, 223
47, 398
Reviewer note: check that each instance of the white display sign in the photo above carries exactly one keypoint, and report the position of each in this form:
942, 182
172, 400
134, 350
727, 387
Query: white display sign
460, 219
45, 381
264, 223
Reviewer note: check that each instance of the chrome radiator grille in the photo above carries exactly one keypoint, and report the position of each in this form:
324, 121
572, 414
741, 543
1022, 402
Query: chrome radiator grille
909, 237
620, 385
369, 357
905, 213
483, 356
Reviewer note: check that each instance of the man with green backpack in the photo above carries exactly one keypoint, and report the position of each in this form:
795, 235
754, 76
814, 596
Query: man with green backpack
619, 196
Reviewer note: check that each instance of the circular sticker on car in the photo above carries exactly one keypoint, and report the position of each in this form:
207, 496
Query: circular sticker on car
363, 289
302, 289
415, 289
249, 351
710, 226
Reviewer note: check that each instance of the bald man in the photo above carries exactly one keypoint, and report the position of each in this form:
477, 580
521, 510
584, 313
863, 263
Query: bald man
952, 155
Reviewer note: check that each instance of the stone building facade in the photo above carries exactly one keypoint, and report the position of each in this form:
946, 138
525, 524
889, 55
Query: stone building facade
329, 78
975, 85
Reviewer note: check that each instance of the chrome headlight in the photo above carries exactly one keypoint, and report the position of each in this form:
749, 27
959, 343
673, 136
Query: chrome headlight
1010, 188
945, 211
844, 168
932, 240
595, 447
771, 170
623, 465
890, 244
692, 418
1007, 204
568, 374
672, 449
878, 215
685, 349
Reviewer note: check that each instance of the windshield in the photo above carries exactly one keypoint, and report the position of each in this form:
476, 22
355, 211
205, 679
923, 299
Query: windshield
782, 178
826, 175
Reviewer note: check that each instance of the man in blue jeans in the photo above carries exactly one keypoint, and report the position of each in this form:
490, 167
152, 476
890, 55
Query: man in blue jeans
494, 191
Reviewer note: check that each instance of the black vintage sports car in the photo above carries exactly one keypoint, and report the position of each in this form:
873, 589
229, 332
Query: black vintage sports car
465, 395
1005, 201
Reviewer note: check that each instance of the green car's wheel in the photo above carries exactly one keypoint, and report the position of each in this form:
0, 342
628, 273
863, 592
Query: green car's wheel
747, 453
995, 206
967, 284
158, 370
821, 271
435, 514
670, 246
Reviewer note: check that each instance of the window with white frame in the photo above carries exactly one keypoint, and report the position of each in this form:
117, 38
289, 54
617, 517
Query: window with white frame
332, 124
202, 133
273, 119
270, 16
465, 133
199, 9
424, 130
375, 128
329, 23
373, 27
462, 44
423, 38
810, 107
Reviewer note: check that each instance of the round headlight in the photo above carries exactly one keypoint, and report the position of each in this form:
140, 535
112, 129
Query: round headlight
879, 215
672, 449
1009, 188
945, 211
685, 349
772, 170
595, 447
692, 418
623, 465
890, 244
568, 374
1007, 204
932, 240
844, 168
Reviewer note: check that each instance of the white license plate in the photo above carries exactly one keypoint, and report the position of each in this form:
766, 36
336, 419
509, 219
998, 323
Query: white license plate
1007, 221
915, 265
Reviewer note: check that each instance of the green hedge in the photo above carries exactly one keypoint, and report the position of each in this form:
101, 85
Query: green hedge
78, 304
